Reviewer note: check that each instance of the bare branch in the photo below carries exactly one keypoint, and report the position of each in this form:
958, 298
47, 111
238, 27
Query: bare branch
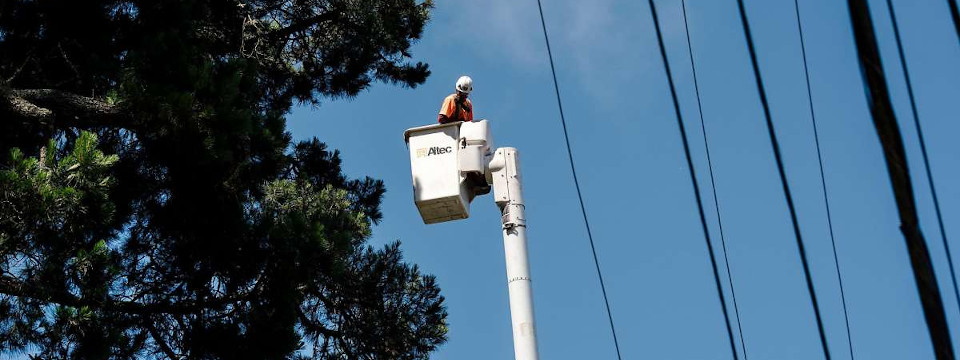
67, 60
26, 59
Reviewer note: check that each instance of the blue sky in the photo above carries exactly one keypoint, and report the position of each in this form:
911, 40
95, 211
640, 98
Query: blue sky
636, 188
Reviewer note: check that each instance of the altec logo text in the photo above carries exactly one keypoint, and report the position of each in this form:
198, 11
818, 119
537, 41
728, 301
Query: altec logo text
436, 150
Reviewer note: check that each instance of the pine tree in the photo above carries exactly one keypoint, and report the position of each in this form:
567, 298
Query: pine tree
152, 203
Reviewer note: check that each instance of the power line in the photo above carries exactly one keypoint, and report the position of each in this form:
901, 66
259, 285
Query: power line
895, 156
713, 183
576, 182
823, 180
923, 149
693, 176
783, 177
955, 15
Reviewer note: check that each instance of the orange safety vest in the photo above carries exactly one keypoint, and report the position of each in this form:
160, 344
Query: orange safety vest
457, 110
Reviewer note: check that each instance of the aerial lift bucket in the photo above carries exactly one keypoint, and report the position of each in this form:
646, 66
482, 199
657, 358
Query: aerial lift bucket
447, 162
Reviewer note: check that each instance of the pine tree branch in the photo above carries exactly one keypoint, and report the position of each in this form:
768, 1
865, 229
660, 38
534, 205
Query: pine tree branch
14, 287
27, 109
155, 334
313, 326
61, 108
302, 25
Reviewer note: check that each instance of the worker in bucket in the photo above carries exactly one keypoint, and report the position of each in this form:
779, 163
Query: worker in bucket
457, 107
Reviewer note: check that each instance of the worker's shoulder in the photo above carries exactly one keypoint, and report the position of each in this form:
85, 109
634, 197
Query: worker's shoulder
450, 97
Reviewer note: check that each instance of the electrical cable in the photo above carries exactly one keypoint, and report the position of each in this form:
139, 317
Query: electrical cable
693, 176
823, 180
877, 97
713, 183
783, 177
923, 149
955, 15
576, 182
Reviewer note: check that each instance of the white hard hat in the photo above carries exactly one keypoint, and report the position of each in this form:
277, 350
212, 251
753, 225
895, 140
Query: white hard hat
465, 84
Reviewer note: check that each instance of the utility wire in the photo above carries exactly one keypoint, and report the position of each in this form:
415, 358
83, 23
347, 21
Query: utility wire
955, 15
693, 177
823, 179
783, 177
576, 182
713, 183
923, 149
895, 156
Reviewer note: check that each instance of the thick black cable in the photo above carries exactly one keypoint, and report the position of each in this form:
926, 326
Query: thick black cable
823, 179
783, 178
877, 97
923, 150
713, 183
693, 177
576, 182
955, 15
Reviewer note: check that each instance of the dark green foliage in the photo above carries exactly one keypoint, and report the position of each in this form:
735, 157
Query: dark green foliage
205, 233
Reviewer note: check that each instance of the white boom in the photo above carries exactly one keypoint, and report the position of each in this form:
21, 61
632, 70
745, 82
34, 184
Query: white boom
508, 194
